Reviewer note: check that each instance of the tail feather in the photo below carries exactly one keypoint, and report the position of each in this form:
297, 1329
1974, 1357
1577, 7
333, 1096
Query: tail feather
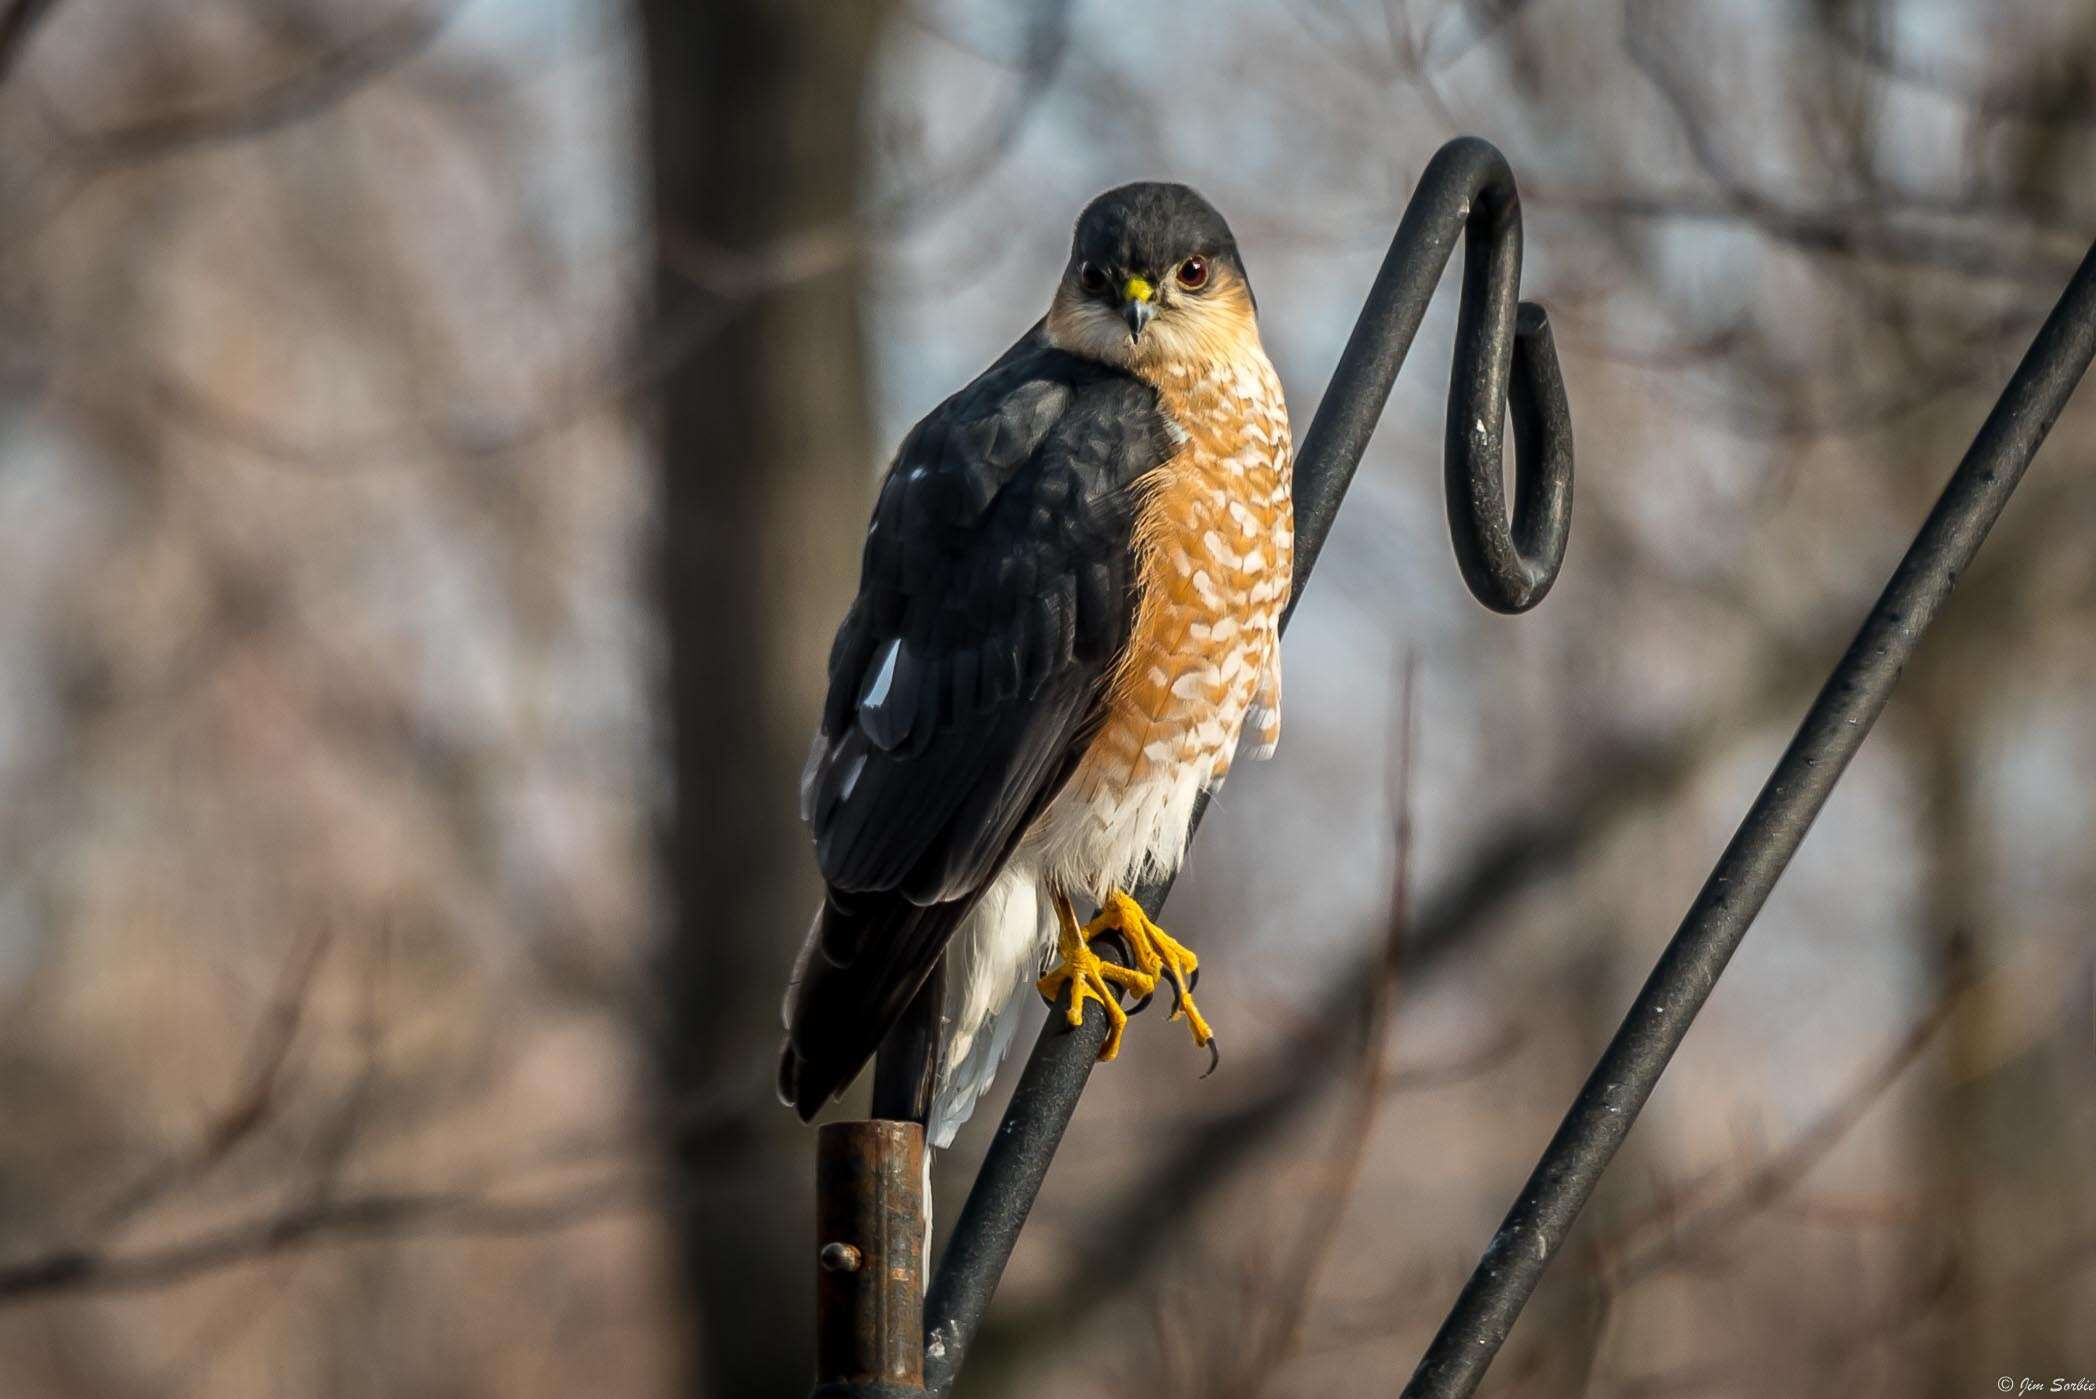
864, 960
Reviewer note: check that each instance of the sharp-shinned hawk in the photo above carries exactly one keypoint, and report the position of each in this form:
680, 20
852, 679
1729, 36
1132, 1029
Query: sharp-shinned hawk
1067, 622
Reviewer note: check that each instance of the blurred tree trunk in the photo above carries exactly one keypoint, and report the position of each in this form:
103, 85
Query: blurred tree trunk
1994, 1199
1997, 1196
1952, 1167
754, 122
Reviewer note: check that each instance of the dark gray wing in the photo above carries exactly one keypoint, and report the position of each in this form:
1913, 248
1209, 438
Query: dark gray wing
996, 596
996, 593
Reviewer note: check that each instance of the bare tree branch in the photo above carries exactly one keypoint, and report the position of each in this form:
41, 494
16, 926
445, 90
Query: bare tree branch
391, 1215
332, 77
250, 1106
1277, 1323
2059, 92
1667, 1241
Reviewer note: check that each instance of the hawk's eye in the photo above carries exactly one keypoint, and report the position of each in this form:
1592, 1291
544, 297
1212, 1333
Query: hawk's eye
1091, 278
1193, 273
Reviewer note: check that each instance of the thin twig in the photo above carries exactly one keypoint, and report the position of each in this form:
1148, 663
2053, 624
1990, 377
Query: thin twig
1277, 1336
1775, 1174
250, 1106
389, 1214
328, 79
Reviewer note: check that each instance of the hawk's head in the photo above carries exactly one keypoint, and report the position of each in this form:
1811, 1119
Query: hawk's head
1154, 278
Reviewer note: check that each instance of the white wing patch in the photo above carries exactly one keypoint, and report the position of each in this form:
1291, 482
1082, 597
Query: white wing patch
817, 751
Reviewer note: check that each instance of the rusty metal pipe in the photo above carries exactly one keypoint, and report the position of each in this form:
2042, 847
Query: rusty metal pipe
869, 1257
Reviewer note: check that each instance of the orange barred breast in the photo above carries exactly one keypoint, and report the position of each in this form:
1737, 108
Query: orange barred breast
1217, 537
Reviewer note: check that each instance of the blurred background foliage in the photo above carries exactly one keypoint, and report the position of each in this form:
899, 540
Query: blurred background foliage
434, 437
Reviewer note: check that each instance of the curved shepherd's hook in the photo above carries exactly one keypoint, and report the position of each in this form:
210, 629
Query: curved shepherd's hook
1504, 359
1505, 363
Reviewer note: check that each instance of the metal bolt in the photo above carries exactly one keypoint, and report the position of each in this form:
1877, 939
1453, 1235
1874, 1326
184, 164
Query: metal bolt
838, 1258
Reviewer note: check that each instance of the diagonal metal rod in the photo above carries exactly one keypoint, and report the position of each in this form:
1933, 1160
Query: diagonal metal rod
1504, 362
1833, 730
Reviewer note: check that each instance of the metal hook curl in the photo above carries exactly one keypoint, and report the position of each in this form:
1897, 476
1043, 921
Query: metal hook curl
1504, 361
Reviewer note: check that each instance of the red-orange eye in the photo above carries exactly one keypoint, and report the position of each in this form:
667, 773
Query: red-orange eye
1090, 278
1193, 272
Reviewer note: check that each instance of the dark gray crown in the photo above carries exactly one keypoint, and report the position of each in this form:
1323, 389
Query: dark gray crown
1150, 227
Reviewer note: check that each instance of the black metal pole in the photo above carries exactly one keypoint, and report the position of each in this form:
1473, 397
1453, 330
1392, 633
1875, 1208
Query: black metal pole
1504, 360
1833, 730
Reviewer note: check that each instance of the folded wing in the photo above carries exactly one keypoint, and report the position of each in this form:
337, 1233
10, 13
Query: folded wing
997, 593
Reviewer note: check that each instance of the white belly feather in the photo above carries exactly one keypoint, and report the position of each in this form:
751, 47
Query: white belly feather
1089, 840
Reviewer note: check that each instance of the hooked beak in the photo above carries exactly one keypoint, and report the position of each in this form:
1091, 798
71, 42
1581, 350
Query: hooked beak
1136, 307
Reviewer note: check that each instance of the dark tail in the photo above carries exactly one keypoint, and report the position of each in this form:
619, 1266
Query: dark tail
868, 973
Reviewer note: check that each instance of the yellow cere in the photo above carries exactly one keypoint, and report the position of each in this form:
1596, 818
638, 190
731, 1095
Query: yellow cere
1136, 290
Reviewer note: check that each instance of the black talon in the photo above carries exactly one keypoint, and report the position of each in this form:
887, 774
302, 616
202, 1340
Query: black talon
1215, 1056
1178, 996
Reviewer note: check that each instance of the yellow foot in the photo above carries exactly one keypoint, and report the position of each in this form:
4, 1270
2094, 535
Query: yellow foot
1087, 976
1156, 953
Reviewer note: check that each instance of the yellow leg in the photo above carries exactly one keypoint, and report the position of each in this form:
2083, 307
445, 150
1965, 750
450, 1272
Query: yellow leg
1156, 951
1091, 978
